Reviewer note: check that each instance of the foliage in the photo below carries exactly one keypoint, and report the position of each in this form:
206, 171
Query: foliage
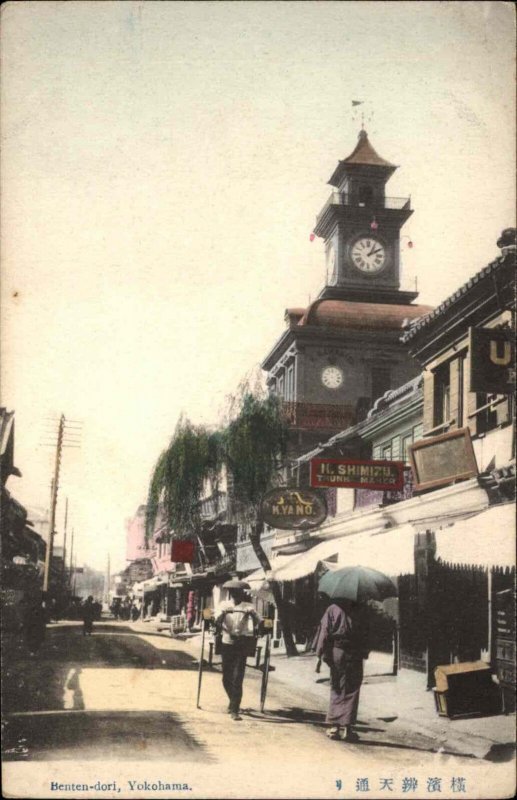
255, 443
179, 478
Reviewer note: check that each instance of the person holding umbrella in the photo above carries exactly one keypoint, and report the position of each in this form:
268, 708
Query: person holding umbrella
238, 624
342, 640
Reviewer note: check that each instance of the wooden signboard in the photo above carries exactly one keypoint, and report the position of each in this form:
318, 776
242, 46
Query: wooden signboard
342, 473
492, 361
443, 459
294, 509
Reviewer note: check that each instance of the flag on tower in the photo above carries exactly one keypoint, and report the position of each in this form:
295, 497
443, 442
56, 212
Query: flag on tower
357, 102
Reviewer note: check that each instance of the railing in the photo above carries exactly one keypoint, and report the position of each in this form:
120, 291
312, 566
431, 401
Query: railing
390, 203
318, 415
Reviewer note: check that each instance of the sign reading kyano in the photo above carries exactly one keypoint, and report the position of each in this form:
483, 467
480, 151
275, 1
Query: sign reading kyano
294, 509
341, 473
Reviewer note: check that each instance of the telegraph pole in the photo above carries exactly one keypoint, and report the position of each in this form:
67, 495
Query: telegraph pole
64, 542
70, 564
53, 502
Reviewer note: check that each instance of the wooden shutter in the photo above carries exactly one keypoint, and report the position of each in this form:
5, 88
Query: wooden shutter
455, 393
470, 399
428, 410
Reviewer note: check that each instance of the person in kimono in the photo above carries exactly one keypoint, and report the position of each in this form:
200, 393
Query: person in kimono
342, 642
238, 624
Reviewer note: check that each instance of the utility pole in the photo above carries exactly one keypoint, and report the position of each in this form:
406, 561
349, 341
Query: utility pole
63, 580
70, 562
107, 582
53, 502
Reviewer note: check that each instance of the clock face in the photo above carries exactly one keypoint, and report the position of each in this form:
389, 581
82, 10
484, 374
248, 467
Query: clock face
332, 377
368, 255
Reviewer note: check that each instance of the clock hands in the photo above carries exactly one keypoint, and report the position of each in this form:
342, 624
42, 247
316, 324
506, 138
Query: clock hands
373, 251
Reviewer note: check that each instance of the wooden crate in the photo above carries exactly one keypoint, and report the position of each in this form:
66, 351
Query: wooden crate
466, 689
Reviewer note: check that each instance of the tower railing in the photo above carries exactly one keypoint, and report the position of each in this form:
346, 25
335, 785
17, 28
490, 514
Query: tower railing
391, 203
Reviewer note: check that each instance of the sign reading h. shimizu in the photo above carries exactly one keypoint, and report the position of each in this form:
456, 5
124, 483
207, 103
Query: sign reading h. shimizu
351, 474
294, 509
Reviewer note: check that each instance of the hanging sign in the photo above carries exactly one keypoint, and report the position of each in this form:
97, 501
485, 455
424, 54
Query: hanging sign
492, 361
294, 509
440, 460
182, 551
351, 474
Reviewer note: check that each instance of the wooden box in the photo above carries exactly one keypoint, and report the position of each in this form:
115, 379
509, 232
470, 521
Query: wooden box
466, 689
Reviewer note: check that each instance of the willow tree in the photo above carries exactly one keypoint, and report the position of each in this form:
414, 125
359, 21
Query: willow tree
180, 476
255, 444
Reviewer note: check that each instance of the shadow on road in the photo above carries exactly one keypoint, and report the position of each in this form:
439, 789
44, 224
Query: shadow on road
50, 682
106, 735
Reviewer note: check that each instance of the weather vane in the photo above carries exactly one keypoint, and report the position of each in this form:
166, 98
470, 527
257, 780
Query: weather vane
365, 113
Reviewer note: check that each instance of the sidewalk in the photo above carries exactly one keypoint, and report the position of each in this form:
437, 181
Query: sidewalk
392, 708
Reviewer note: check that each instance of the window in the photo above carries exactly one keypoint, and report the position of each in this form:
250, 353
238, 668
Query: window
365, 196
442, 394
280, 385
406, 441
386, 451
290, 384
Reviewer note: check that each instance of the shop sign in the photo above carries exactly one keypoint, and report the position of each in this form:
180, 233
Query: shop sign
443, 459
351, 474
294, 509
182, 551
492, 361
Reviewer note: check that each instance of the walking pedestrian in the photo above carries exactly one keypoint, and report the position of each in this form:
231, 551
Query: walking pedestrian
342, 642
88, 616
237, 623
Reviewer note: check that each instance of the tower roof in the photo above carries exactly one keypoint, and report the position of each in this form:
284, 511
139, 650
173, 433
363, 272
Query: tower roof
363, 155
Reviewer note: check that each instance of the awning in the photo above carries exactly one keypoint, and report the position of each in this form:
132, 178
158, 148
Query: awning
390, 551
485, 540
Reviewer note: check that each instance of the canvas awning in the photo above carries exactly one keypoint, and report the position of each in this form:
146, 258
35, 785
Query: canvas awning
485, 540
390, 551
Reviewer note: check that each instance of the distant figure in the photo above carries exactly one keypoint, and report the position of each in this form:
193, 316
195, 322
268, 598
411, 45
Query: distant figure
98, 610
342, 642
34, 623
88, 616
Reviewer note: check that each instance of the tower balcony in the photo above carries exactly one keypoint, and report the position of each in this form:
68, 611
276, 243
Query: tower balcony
398, 207
318, 416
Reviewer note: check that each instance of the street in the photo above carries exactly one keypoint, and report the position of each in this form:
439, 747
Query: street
123, 696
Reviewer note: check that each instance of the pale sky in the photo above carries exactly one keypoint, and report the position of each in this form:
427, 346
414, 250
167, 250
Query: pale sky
162, 167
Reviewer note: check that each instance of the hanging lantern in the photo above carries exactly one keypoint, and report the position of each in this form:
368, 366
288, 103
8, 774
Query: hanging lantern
410, 244
374, 224
312, 237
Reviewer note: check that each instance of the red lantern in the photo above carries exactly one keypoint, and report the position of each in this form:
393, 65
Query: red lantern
312, 237
373, 224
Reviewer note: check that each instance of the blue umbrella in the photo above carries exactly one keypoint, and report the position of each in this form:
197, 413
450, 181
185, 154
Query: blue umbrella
357, 583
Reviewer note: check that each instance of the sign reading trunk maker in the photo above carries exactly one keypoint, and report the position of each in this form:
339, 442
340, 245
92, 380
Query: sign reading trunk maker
346, 474
294, 509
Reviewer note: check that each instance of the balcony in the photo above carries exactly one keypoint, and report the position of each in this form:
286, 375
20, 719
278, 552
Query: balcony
318, 416
373, 206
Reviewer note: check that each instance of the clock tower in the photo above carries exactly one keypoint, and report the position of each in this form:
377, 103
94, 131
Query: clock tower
340, 354
361, 228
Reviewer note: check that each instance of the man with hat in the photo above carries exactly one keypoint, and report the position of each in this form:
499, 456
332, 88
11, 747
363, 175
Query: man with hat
238, 624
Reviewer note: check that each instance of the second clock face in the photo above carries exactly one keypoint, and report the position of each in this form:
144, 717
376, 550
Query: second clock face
368, 255
332, 377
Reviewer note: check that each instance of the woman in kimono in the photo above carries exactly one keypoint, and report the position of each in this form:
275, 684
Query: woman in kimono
342, 642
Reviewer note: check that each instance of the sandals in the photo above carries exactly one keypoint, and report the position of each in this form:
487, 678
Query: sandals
335, 732
344, 734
